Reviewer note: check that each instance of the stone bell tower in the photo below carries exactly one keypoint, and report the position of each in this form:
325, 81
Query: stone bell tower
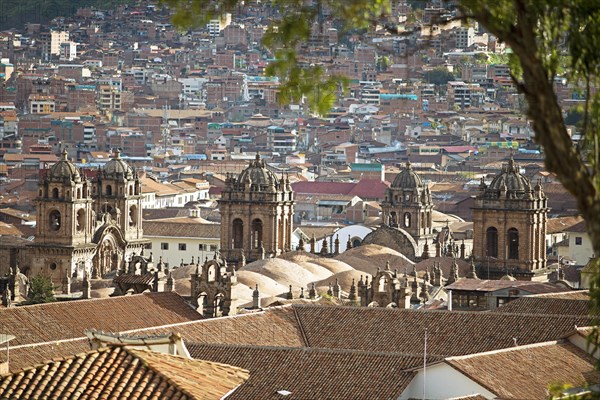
65, 221
118, 191
509, 226
257, 210
408, 205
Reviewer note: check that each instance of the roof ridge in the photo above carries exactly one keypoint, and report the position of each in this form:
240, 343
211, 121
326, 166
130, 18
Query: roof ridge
58, 359
505, 350
132, 351
312, 349
301, 327
171, 379
559, 293
79, 301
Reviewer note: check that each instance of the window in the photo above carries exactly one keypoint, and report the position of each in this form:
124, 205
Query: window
182, 247
213, 248
202, 247
513, 244
164, 246
578, 240
492, 242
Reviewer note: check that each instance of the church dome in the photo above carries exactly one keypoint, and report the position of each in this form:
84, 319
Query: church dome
407, 179
510, 179
117, 167
257, 176
64, 170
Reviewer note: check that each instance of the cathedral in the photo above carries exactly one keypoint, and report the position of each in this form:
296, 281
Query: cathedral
88, 222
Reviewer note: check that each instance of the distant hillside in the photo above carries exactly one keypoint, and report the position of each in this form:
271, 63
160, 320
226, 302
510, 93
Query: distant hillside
16, 13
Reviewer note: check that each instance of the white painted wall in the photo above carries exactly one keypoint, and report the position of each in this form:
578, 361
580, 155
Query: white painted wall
443, 382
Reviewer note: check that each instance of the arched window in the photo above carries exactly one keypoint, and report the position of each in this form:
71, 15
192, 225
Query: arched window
382, 284
54, 220
133, 215
257, 233
513, 244
407, 220
131, 190
55, 193
80, 219
393, 219
491, 236
108, 190
238, 233
79, 193
211, 273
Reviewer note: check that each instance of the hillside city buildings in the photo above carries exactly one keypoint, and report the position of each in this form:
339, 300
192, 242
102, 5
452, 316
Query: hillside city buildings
207, 241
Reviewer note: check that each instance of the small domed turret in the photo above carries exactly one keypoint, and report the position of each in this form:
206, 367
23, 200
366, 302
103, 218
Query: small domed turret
64, 170
407, 179
117, 168
257, 177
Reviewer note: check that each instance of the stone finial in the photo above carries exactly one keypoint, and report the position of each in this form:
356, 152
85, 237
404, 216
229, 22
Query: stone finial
325, 246
348, 243
462, 250
472, 272
302, 292
290, 294
256, 298
438, 249
301, 243
337, 289
352, 295
336, 245
414, 299
66, 284
453, 273
330, 290
425, 254
426, 276
170, 286
312, 244
6, 297
312, 293
86, 287
424, 295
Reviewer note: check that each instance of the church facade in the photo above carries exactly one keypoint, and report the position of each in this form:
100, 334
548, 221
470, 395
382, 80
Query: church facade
85, 225
406, 214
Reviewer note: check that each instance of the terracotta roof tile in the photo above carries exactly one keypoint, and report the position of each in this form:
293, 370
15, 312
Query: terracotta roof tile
546, 305
450, 333
180, 229
120, 372
276, 327
526, 372
66, 320
314, 373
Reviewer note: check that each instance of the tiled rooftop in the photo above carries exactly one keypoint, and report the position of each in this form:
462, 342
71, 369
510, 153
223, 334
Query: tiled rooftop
449, 333
117, 372
546, 305
56, 321
526, 372
314, 373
